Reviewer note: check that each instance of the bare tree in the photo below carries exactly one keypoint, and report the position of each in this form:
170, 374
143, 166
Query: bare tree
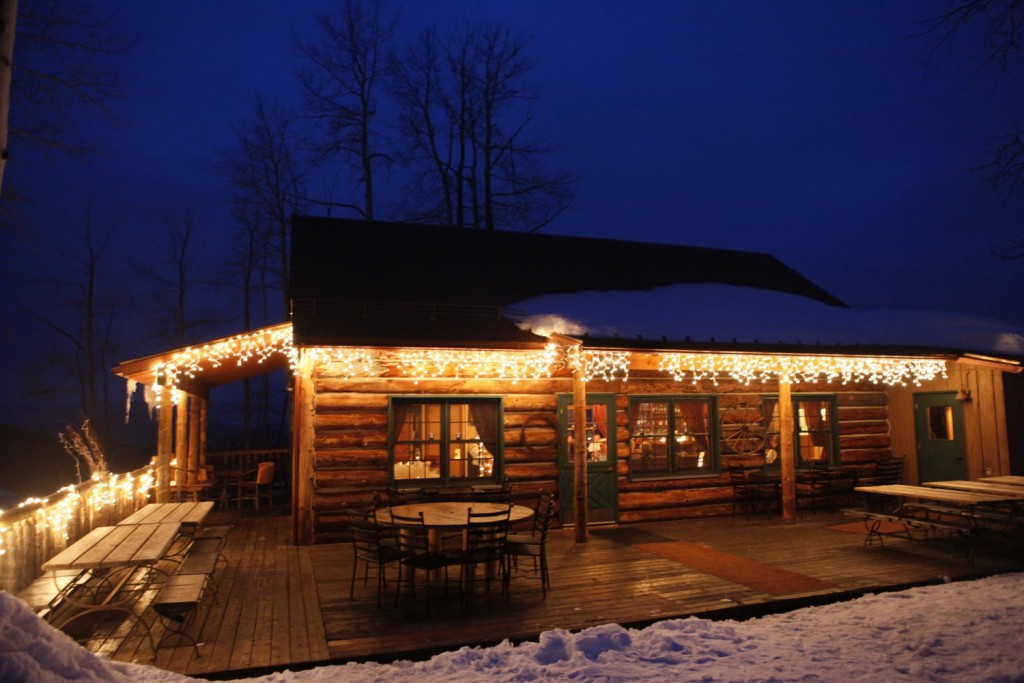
268, 174
175, 280
465, 110
83, 315
340, 85
1002, 30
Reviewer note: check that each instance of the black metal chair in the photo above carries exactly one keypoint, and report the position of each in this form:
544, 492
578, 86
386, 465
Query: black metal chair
532, 544
748, 494
483, 549
415, 554
370, 548
889, 470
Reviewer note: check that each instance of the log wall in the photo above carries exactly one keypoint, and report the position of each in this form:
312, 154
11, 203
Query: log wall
350, 457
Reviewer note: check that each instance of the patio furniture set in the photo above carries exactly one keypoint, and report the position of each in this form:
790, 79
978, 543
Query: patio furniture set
161, 547
427, 538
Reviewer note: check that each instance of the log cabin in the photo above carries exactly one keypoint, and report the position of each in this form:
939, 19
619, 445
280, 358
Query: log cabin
625, 377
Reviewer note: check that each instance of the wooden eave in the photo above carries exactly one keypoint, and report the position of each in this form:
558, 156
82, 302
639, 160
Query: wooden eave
142, 370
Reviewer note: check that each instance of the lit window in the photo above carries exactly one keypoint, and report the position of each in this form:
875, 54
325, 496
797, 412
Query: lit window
672, 436
814, 435
445, 440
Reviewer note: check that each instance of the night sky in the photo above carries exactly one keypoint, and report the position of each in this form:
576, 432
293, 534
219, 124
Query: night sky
831, 134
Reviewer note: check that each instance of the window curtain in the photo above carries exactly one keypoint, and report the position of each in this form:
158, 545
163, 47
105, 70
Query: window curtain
399, 413
816, 424
485, 419
695, 415
599, 412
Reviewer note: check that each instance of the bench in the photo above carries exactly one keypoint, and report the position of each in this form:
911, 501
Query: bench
176, 603
922, 522
180, 595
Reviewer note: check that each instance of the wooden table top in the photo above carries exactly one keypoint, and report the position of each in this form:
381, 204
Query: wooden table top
979, 487
450, 514
157, 513
117, 546
1010, 479
937, 494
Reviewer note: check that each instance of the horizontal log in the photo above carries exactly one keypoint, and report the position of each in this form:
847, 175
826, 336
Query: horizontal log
864, 441
528, 454
334, 440
850, 428
350, 401
849, 399
351, 457
864, 414
648, 500
350, 420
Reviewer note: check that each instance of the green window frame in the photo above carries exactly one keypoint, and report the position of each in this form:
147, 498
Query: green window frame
673, 436
444, 440
815, 430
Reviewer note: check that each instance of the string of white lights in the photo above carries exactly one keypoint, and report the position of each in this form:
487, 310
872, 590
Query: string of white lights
607, 365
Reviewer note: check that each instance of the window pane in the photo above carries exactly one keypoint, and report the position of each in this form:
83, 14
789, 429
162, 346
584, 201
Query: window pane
940, 423
445, 440
671, 436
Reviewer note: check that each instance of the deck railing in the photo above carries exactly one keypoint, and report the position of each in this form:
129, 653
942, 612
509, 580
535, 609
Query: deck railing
247, 460
39, 528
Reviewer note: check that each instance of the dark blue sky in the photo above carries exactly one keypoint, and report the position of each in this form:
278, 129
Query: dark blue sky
827, 133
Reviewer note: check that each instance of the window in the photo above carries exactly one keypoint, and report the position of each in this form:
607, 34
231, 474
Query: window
442, 440
672, 436
815, 437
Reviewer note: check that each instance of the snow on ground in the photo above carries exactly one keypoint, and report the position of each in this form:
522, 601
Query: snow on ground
963, 631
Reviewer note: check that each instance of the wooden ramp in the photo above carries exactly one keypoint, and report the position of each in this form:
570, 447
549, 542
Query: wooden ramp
282, 606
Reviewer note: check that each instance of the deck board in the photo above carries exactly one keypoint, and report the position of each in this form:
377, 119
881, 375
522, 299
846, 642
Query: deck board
284, 606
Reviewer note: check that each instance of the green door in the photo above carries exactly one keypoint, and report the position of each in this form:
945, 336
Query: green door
939, 427
602, 487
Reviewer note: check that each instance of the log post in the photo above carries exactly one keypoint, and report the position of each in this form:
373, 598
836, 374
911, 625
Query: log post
579, 451
787, 451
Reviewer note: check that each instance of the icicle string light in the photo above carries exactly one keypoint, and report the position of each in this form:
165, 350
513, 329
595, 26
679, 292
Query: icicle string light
422, 364
56, 518
748, 369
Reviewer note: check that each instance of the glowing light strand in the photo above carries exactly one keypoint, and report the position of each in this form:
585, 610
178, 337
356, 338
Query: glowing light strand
607, 365
748, 368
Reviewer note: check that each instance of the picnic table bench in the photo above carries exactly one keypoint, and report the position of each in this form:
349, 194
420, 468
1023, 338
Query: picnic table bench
957, 516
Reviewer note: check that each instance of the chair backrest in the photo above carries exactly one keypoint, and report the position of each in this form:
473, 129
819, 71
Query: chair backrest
542, 512
265, 473
737, 474
889, 470
413, 538
365, 533
487, 531
544, 523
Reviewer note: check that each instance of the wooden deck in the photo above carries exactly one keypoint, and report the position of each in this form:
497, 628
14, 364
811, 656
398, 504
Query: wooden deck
282, 606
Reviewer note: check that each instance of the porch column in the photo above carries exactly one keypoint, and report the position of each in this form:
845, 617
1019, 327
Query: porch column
787, 452
165, 442
579, 450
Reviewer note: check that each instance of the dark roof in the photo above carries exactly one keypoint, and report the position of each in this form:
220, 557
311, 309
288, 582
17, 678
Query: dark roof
376, 264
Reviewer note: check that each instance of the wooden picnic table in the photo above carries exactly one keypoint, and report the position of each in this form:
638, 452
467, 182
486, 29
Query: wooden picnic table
187, 513
979, 487
941, 495
110, 555
1009, 479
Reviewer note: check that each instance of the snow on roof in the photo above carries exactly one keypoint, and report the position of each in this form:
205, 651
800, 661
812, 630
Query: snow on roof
727, 314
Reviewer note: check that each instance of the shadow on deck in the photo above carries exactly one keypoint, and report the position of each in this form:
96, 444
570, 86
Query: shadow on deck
283, 606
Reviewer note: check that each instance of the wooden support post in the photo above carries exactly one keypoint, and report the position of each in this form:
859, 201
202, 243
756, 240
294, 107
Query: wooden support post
303, 450
192, 463
579, 452
165, 442
787, 452
180, 471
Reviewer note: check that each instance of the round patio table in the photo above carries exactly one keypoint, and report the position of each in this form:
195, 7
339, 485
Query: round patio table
441, 516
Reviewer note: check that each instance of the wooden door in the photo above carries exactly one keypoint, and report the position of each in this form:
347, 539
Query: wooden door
602, 485
939, 428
